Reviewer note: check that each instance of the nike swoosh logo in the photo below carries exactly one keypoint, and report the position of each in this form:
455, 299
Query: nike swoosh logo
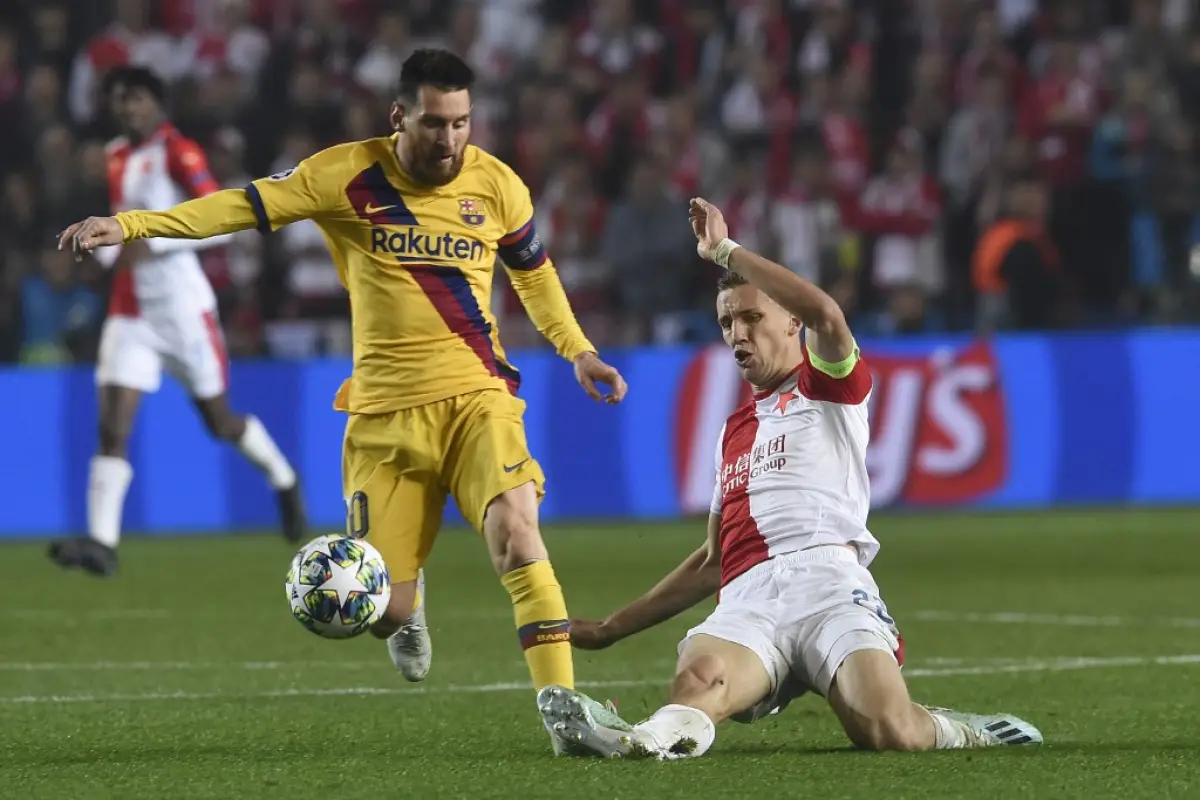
546, 626
370, 209
515, 466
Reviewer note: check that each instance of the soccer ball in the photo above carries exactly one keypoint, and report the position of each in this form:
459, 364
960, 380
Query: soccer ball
337, 586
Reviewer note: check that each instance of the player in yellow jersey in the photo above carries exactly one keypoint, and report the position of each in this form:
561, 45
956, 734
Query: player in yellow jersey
414, 222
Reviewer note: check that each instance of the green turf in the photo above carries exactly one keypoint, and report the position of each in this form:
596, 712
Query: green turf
187, 678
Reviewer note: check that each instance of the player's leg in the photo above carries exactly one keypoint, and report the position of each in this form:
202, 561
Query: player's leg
729, 667
498, 484
252, 440
851, 653
128, 365
715, 679
197, 357
394, 499
871, 699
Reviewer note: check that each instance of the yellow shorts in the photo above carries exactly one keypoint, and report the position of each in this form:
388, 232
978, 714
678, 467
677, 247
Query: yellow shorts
398, 467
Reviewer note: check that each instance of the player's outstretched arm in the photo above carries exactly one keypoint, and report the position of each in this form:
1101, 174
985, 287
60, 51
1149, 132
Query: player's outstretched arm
226, 211
828, 334
696, 579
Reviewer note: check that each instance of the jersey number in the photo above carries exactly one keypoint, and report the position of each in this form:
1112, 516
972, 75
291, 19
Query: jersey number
358, 519
874, 605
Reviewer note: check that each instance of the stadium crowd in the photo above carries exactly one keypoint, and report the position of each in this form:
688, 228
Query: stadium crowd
937, 164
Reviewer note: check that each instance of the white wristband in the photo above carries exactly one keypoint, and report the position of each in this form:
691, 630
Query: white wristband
721, 253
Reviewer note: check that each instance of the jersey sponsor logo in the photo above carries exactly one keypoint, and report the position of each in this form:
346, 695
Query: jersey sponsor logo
415, 244
766, 457
938, 429
470, 211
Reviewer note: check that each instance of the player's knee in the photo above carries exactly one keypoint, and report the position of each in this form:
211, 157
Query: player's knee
511, 529
891, 729
700, 676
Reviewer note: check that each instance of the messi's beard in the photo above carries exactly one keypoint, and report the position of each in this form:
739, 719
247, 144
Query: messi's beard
428, 168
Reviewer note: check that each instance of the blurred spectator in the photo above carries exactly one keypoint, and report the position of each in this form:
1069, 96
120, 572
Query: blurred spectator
618, 130
649, 247
694, 59
231, 43
60, 316
129, 39
1016, 268
901, 208
805, 225
614, 43
10, 101
379, 68
50, 42
745, 203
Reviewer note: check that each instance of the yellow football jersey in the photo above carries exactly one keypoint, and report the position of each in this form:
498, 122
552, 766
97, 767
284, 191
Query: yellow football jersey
418, 262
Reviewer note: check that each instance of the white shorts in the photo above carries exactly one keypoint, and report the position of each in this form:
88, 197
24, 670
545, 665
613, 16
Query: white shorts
190, 346
803, 614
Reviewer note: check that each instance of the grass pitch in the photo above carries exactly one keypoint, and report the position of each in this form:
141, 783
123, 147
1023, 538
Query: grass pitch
186, 677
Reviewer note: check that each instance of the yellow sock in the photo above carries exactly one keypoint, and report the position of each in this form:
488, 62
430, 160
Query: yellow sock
542, 625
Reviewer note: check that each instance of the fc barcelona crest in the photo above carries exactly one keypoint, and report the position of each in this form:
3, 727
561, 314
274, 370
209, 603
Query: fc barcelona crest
471, 211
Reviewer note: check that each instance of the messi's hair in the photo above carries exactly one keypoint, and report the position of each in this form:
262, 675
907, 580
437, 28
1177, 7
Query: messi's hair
730, 280
433, 67
134, 77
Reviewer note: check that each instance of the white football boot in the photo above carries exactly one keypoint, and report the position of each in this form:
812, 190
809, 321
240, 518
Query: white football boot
994, 730
410, 647
580, 726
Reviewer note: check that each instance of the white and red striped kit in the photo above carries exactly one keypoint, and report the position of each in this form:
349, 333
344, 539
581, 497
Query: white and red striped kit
792, 491
162, 313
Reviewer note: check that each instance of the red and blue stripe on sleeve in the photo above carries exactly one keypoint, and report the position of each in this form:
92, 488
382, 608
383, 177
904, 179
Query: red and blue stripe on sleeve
522, 249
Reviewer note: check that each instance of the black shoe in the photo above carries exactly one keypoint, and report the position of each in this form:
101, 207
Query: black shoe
86, 554
292, 516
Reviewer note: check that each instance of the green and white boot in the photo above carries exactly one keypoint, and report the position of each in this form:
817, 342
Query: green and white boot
581, 726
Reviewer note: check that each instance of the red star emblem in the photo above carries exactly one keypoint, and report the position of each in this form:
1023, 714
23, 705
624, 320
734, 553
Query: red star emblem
785, 399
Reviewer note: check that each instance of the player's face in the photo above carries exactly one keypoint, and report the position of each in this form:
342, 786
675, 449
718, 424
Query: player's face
136, 110
764, 338
435, 133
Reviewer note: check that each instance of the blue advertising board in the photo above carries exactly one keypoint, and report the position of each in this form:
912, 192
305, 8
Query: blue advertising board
1013, 422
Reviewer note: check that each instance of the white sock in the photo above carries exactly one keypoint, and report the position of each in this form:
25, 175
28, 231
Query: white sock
258, 446
673, 723
108, 480
949, 734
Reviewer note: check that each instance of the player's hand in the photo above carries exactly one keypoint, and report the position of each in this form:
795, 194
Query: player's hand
590, 634
590, 370
708, 223
93, 232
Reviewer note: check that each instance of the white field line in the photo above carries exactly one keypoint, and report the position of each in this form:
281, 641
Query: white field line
924, 615
1064, 620
1053, 665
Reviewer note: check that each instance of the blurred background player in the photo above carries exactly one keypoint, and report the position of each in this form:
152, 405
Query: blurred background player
162, 315
788, 549
414, 222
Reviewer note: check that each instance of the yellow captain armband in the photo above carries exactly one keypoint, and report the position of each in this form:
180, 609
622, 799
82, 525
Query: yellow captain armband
834, 369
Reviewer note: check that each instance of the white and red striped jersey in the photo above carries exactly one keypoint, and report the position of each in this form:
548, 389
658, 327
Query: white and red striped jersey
157, 174
792, 470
